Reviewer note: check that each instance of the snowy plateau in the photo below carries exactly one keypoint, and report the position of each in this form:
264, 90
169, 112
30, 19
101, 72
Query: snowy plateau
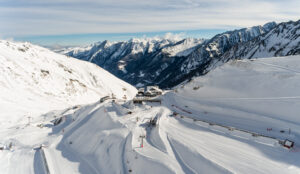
234, 119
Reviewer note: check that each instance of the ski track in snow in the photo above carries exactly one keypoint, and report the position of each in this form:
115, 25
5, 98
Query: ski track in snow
276, 66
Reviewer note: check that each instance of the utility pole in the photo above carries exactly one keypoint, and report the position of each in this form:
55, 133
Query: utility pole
142, 140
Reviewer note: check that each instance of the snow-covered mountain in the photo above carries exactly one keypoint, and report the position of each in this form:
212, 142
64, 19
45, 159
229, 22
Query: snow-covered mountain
35, 80
163, 61
137, 61
168, 63
212, 124
200, 60
283, 40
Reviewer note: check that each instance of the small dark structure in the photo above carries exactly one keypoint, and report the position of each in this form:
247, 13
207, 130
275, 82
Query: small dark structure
137, 101
175, 114
288, 144
140, 100
153, 121
196, 87
2, 147
154, 90
149, 94
40, 125
141, 92
10, 145
75, 107
104, 98
57, 121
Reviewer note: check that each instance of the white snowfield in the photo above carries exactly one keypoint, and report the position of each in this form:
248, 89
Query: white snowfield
116, 137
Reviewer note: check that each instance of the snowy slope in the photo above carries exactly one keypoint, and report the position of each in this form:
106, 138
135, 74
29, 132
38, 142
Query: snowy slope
36, 86
182, 48
107, 137
263, 94
38, 80
265, 90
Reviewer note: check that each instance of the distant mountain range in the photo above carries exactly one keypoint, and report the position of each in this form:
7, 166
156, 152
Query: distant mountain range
167, 62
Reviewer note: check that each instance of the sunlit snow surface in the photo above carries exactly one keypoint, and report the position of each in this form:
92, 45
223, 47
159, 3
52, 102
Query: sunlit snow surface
106, 137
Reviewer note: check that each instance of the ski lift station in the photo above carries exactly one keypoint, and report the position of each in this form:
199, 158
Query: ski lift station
148, 94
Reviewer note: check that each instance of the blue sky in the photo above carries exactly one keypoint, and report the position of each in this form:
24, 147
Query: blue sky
86, 39
79, 22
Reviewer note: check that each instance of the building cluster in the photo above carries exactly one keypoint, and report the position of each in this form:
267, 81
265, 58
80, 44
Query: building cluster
149, 91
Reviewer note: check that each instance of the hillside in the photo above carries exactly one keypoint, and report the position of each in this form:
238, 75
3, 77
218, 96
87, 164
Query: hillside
212, 124
35, 80
262, 95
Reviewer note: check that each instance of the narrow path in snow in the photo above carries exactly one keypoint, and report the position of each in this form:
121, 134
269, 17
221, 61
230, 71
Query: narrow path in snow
242, 114
185, 167
46, 167
276, 66
228, 127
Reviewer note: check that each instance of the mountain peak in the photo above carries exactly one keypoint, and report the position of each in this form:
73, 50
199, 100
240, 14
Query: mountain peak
268, 26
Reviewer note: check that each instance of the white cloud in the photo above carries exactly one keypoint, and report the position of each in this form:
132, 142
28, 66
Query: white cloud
35, 17
172, 36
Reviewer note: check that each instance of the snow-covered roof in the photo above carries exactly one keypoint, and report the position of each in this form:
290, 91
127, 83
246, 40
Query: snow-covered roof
288, 143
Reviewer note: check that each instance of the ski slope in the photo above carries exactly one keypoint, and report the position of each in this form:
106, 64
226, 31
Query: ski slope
263, 91
104, 138
117, 137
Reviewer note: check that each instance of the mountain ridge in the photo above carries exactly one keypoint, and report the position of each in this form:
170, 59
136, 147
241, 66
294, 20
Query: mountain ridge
168, 63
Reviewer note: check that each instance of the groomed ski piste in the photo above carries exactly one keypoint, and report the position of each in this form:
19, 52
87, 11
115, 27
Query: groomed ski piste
115, 136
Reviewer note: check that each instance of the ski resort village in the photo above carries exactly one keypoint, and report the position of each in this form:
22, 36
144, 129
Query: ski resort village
102, 87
